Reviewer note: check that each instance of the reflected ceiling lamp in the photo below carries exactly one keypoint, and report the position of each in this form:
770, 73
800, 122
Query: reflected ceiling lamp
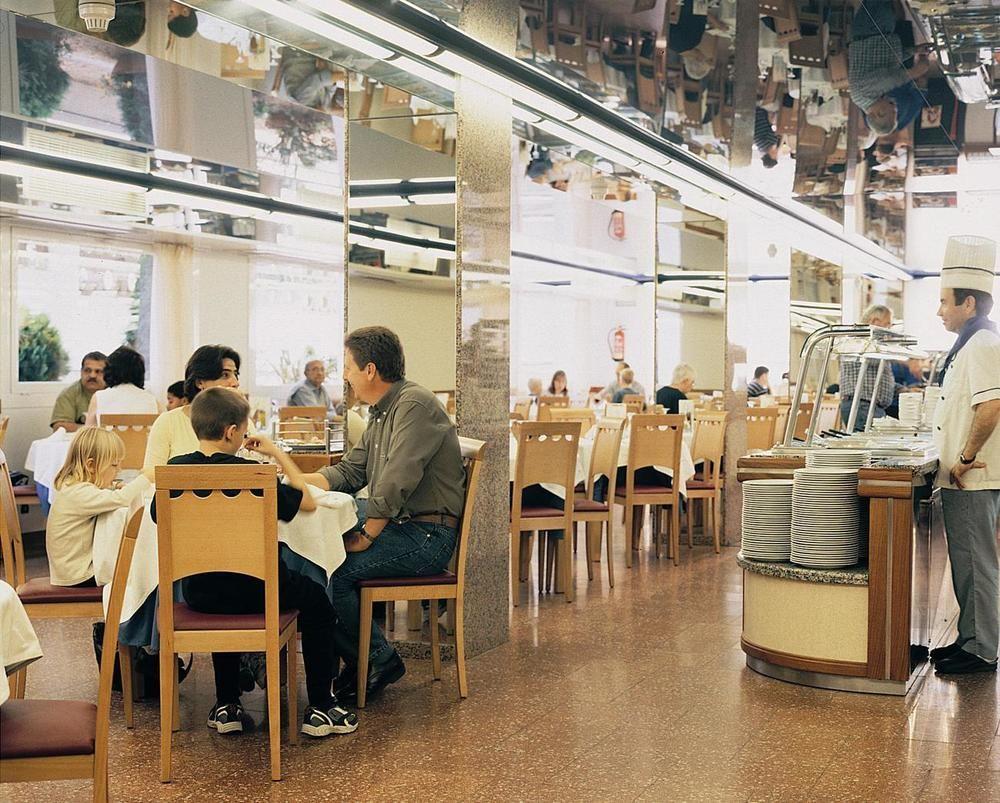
96, 14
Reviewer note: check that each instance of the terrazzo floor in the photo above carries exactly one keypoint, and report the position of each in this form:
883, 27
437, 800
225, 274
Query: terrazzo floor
634, 693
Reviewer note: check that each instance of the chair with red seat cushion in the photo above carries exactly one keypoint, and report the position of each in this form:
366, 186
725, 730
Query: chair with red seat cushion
603, 463
54, 740
448, 585
40, 598
199, 534
546, 455
655, 441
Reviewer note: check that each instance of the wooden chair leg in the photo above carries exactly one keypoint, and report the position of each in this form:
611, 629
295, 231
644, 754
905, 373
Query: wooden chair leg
716, 534
610, 552
566, 567
690, 522
463, 683
551, 561
586, 541
17, 682
542, 544
272, 660
128, 700
414, 616
450, 618
292, 688
675, 529
166, 709
176, 719
515, 566
435, 645
390, 615
628, 536
364, 644
527, 543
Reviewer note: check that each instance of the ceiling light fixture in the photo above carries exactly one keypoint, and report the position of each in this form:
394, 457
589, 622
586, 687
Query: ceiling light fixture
373, 25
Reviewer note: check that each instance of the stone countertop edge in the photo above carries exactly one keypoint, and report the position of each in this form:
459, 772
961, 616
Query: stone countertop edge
923, 467
855, 576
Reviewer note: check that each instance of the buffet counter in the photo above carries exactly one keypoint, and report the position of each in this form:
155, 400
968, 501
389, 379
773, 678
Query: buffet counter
864, 628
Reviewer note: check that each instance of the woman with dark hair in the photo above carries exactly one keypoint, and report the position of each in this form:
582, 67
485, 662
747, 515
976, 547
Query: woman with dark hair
125, 378
172, 434
557, 387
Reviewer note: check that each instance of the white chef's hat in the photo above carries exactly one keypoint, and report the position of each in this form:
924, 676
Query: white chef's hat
969, 263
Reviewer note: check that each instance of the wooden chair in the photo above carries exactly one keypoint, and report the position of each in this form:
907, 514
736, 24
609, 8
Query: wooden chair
546, 403
708, 446
584, 416
4, 422
603, 462
802, 420
56, 740
655, 441
220, 533
40, 598
784, 409
312, 413
829, 412
546, 453
133, 429
761, 423
634, 403
448, 586
522, 410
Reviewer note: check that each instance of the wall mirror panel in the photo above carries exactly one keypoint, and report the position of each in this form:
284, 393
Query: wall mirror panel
690, 297
816, 301
402, 237
582, 245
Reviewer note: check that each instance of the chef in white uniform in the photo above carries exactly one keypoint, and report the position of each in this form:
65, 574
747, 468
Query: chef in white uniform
967, 434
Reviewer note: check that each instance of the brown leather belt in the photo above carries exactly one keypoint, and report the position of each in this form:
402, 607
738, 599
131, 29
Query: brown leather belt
437, 518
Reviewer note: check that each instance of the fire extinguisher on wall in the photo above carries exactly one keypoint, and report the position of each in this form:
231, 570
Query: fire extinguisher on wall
616, 343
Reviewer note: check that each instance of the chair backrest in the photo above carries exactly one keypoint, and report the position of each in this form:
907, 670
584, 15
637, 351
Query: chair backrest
546, 453
761, 424
829, 412
472, 458
112, 619
312, 413
802, 420
201, 528
11, 546
709, 441
655, 440
546, 403
784, 409
133, 429
4, 421
604, 457
584, 416
522, 410
634, 403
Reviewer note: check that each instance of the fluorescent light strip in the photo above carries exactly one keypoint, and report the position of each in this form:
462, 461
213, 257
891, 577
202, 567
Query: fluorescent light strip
382, 245
374, 25
574, 137
395, 182
381, 201
418, 68
313, 24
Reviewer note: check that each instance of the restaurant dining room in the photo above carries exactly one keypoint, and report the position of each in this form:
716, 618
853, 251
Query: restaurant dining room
494, 400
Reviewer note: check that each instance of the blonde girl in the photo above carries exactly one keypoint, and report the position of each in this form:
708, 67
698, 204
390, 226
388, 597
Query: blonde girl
83, 492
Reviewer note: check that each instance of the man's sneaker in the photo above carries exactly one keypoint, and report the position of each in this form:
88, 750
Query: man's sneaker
226, 718
335, 719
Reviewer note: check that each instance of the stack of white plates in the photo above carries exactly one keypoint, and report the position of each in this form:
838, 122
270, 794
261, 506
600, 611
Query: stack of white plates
838, 458
910, 409
932, 395
767, 519
826, 520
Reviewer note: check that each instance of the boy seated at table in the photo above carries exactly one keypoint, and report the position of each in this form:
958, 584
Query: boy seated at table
219, 418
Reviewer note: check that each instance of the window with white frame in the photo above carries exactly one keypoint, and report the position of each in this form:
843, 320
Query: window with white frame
297, 316
71, 297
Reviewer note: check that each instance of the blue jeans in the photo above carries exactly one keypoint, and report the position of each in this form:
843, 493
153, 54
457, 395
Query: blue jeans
409, 549
873, 18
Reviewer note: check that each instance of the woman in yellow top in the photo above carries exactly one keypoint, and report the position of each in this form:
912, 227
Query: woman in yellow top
172, 433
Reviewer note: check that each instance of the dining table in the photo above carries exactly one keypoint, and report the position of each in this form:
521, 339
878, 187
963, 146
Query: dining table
311, 543
45, 457
18, 643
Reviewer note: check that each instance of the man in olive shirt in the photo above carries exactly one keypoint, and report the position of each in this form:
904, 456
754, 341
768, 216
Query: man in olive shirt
70, 409
410, 460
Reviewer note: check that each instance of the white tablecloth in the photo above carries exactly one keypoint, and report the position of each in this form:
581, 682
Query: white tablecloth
46, 456
313, 535
584, 452
18, 642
